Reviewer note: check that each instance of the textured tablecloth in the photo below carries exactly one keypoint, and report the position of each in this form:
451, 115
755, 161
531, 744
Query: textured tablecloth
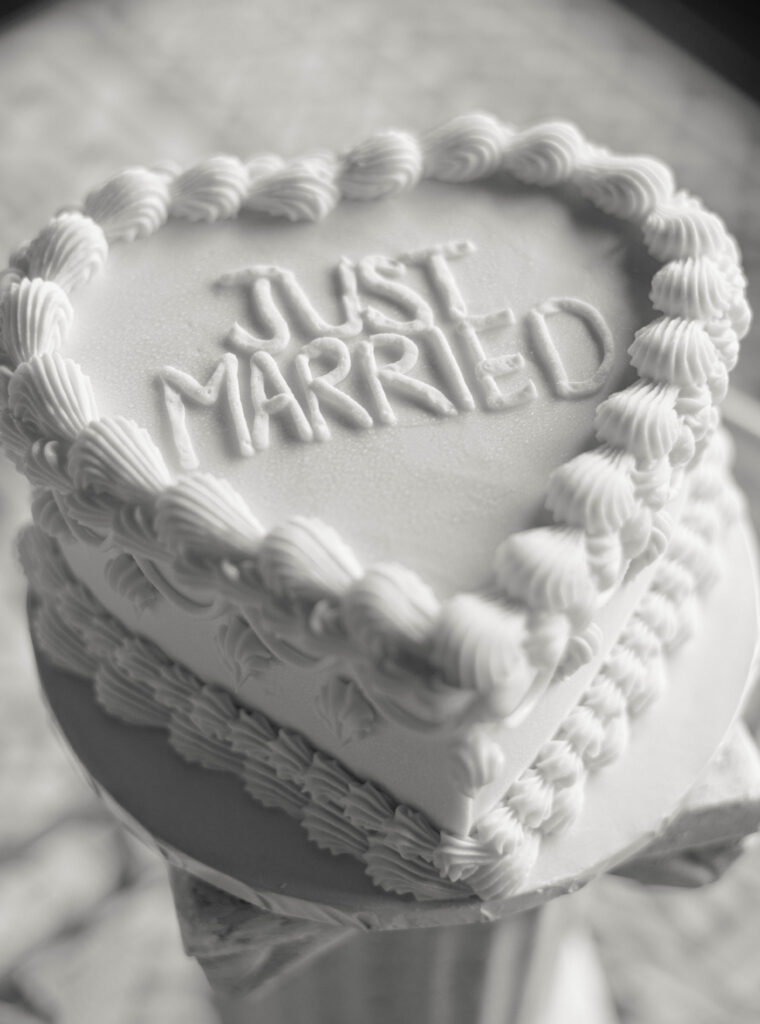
89, 86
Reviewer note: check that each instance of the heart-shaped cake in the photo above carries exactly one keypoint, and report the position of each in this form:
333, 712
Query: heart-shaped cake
385, 480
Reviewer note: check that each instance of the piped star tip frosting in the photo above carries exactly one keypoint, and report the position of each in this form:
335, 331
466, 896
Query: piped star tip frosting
386, 481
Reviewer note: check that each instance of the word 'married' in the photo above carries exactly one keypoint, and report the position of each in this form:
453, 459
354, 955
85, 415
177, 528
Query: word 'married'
386, 348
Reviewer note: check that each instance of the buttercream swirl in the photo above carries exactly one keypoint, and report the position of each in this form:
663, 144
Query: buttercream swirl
52, 395
115, 456
305, 560
390, 610
547, 568
68, 251
205, 513
674, 350
694, 287
593, 491
640, 419
625, 186
683, 228
415, 701
584, 732
133, 204
493, 875
558, 763
382, 165
301, 190
544, 154
478, 646
211, 190
262, 165
604, 699
531, 799
500, 829
465, 149
35, 318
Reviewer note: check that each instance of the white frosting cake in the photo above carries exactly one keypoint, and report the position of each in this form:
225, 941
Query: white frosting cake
384, 480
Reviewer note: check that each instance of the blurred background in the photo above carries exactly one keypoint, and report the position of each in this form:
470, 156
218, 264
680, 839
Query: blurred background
87, 930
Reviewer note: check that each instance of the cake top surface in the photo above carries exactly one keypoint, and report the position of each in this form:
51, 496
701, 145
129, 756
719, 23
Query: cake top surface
324, 468
417, 470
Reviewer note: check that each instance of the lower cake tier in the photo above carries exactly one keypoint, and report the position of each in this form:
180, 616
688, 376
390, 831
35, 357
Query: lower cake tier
452, 751
605, 799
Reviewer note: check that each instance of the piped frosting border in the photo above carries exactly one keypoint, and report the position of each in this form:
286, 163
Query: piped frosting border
477, 657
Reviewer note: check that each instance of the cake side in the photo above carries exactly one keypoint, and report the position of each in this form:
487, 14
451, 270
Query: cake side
342, 812
456, 774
